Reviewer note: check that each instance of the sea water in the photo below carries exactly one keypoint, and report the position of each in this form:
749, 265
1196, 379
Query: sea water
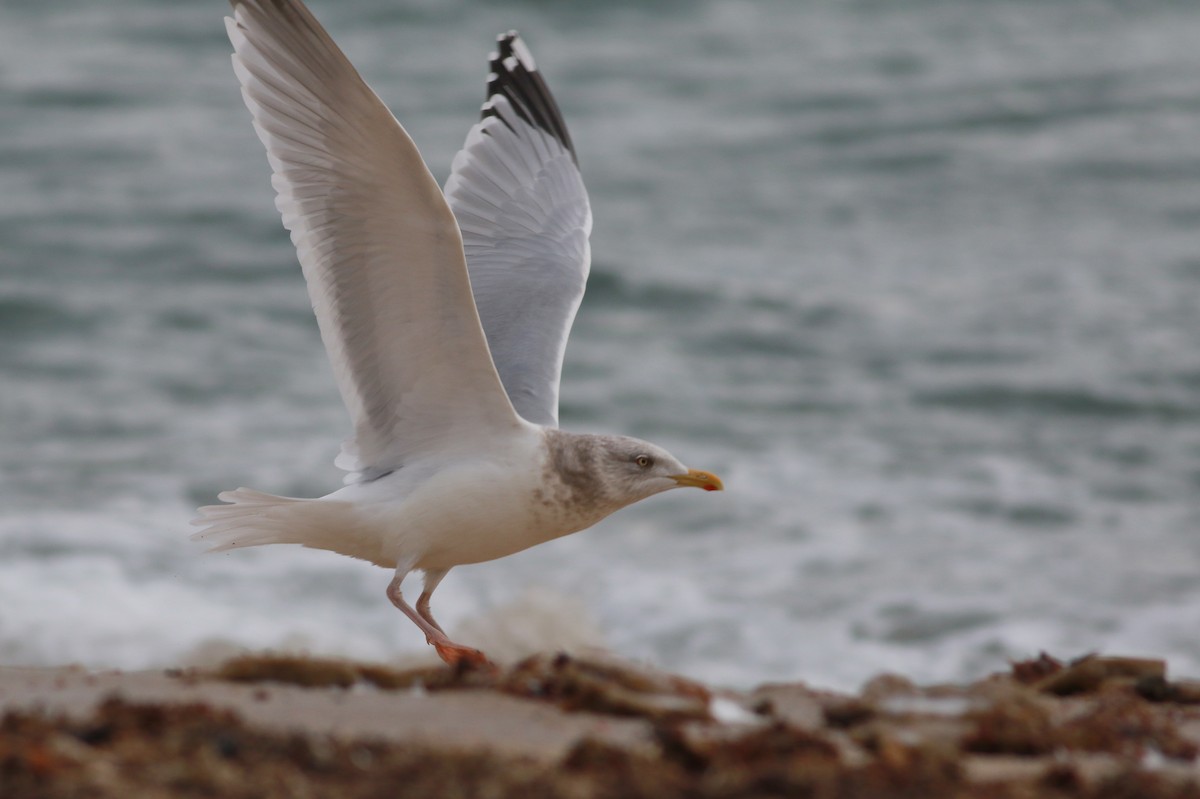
919, 280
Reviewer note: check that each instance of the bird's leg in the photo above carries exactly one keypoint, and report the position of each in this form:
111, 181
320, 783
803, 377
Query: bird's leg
447, 650
432, 578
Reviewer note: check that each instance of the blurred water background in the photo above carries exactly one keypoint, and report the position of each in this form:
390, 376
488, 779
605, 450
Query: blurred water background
919, 279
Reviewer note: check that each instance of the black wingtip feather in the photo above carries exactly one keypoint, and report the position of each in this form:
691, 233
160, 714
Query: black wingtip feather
522, 85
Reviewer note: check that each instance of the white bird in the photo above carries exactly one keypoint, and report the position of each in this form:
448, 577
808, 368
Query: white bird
445, 317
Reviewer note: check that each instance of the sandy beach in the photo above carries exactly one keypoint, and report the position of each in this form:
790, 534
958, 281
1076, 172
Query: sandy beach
595, 726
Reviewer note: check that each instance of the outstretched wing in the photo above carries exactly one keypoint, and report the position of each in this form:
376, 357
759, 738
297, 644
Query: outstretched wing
516, 190
378, 244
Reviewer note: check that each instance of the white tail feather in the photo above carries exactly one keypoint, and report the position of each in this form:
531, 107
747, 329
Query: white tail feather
254, 518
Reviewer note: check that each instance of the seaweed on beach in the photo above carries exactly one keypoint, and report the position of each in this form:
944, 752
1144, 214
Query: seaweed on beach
1009, 736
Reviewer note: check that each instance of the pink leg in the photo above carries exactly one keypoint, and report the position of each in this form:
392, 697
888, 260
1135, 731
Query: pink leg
447, 650
432, 578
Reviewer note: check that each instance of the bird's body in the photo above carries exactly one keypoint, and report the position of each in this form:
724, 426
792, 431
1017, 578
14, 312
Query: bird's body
423, 517
445, 317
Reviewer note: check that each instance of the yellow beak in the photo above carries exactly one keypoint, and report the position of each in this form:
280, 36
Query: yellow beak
698, 479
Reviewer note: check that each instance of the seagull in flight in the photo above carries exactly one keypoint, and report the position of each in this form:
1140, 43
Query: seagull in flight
445, 315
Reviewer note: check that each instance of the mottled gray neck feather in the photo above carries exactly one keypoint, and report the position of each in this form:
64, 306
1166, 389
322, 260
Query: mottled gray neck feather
576, 469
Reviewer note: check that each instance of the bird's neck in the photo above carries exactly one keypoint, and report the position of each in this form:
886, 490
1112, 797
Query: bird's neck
574, 471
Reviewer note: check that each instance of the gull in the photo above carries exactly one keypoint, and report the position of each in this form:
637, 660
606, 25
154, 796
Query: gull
445, 316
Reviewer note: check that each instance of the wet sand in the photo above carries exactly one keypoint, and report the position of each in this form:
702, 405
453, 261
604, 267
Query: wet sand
553, 725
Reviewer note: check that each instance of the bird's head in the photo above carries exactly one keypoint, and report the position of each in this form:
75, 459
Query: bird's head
641, 469
603, 473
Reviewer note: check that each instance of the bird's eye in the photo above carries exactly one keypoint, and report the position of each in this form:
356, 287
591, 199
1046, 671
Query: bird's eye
645, 461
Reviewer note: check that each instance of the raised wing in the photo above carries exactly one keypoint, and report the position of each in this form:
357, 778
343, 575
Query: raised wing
516, 190
378, 244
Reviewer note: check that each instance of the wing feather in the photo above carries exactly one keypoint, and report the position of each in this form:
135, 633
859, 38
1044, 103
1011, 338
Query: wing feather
523, 211
379, 246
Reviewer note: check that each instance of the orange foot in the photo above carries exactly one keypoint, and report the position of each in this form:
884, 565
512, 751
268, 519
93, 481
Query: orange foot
454, 654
